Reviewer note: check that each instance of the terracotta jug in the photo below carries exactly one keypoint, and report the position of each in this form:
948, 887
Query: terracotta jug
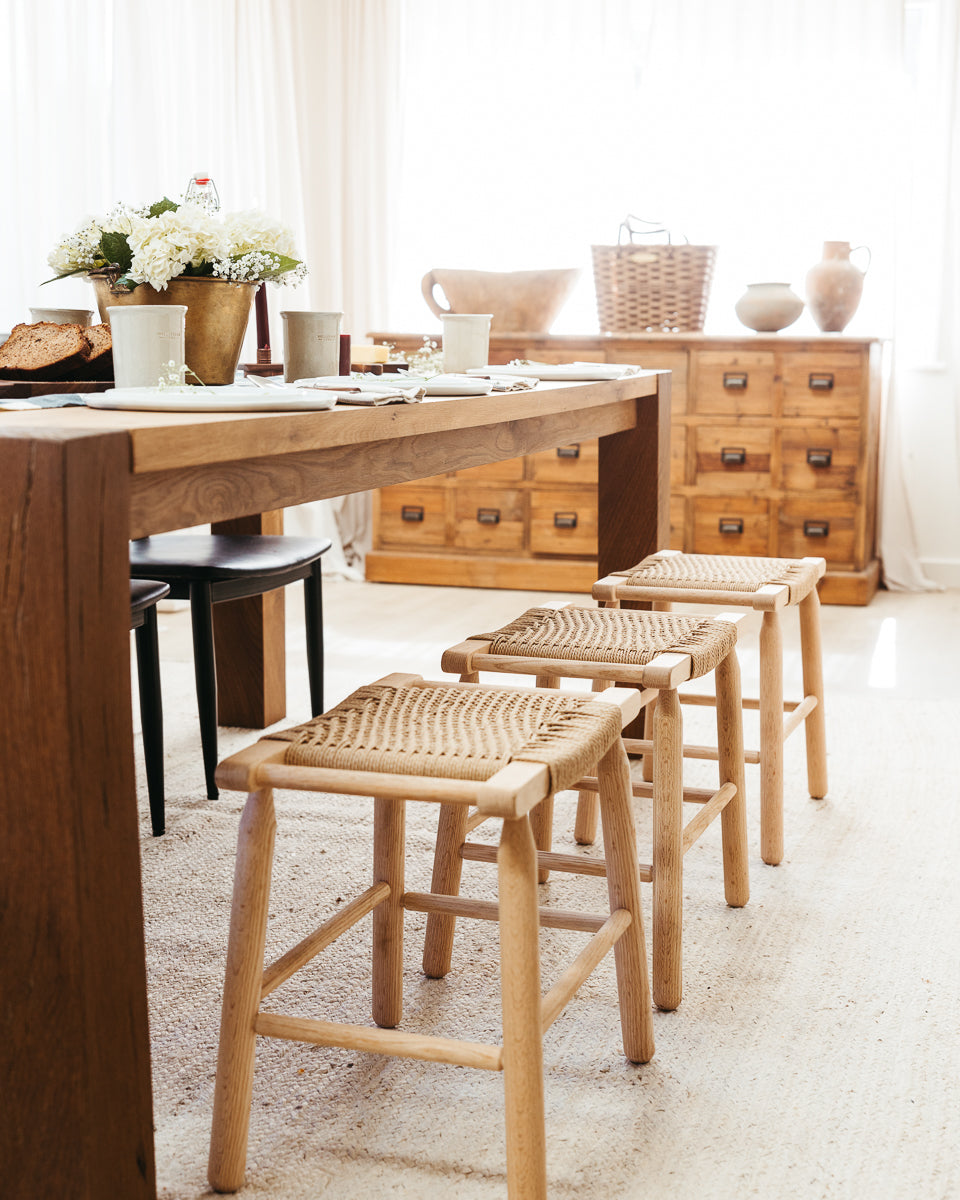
834, 286
520, 301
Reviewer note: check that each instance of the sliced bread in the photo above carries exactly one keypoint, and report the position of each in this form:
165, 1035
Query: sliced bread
43, 351
98, 363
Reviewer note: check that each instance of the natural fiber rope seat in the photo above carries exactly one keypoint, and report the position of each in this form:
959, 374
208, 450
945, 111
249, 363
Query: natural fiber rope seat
613, 636
724, 573
455, 733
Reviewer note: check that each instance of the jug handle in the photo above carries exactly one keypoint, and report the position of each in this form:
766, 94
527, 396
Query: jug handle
427, 284
869, 257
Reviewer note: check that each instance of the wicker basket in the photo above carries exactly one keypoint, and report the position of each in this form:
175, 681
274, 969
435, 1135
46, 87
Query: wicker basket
652, 288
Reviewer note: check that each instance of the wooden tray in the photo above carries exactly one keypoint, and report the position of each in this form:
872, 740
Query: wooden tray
15, 389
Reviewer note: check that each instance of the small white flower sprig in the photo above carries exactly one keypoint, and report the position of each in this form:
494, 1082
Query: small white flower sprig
425, 362
156, 244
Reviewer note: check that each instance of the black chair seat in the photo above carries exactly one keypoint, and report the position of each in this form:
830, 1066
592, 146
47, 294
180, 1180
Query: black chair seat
144, 594
207, 569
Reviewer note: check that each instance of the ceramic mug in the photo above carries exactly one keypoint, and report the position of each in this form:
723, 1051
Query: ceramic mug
466, 341
147, 338
311, 345
62, 316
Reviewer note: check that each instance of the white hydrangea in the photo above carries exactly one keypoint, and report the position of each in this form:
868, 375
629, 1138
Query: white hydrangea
254, 230
77, 251
163, 246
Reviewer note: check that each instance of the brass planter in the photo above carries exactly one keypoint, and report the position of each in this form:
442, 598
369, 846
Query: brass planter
216, 320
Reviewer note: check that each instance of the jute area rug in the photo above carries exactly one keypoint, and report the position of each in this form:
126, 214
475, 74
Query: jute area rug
815, 1053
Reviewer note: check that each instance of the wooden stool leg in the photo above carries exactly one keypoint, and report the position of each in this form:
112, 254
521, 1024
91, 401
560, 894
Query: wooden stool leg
389, 818
447, 868
668, 851
241, 993
151, 715
313, 618
541, 819
771, 739
646, 760
623, 885
815, 725
733, 819
585, 826
520, 998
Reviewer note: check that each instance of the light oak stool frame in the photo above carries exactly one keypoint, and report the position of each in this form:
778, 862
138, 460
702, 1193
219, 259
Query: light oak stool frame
658, 680
778, 718
511, 794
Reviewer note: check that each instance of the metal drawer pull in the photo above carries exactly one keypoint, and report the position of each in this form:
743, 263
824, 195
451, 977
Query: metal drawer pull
568, 452
735, 379
731, 525
733, 456
816, 529
565, 520
411, 512
820, 383
819, 458
488, 516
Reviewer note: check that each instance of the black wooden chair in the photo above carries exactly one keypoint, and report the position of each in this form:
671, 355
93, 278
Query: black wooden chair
144, 594
209, 568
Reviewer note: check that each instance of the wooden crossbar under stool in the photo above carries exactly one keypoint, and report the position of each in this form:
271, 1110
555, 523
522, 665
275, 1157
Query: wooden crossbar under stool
502, 750
765, 585
654, 652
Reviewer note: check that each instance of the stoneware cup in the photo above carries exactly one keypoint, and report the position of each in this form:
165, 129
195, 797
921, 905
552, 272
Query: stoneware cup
62, 316
311, 344
466, 341
147, 338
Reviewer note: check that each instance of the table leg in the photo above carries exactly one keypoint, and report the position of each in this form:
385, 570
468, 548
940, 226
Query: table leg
74, 1047
250, 647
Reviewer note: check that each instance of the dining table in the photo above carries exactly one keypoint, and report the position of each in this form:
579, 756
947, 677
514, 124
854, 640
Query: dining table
76, 484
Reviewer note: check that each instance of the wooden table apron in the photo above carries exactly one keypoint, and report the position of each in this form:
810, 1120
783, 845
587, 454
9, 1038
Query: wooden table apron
75, 485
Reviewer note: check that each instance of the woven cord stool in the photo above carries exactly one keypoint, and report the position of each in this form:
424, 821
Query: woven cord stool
504, 751
653, 652
765, 585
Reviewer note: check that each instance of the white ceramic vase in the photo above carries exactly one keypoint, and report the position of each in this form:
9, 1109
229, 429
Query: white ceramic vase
768, 307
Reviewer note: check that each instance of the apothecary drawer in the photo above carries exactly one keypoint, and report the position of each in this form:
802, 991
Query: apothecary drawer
412, 515
822, 384
734, 525
734, 384
732, 457
674, 361
819, 457
818, 525
563, 522
488, 519
576, 463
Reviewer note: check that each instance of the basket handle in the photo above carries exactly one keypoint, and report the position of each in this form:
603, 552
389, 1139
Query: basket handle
630, 221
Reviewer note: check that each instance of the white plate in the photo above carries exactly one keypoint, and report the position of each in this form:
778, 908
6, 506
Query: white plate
215, 399
563, 372
451, 385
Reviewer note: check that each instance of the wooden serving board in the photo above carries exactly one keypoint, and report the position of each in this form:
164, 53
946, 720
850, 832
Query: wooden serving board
15, 389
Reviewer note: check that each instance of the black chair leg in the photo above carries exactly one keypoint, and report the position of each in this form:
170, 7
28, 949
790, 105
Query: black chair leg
313, 613
201, 616
151, 715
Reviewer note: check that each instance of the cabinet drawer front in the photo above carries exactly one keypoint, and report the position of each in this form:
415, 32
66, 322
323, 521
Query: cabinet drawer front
819, 457
819, 525
674, 361
576, 463
488, 519
412, 515
508, 471
732, 457
822, 385
563, 522
734, 384
738, 525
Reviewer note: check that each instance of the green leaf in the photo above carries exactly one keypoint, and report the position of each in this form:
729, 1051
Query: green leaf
66, 275
116, 249
285, 264
162, 206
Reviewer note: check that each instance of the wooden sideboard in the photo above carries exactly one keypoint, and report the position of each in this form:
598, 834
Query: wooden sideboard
775, 443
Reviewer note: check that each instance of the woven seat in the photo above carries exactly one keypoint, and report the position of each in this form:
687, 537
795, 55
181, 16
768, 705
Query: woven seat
765, 585
654, 652
502, 751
